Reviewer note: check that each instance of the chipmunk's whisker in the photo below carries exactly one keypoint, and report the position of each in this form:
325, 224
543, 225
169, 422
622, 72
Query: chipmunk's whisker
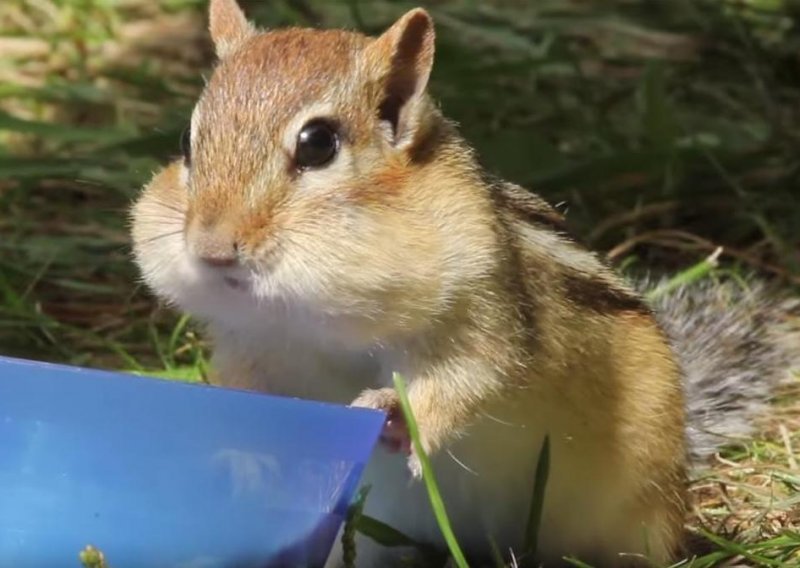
163, 236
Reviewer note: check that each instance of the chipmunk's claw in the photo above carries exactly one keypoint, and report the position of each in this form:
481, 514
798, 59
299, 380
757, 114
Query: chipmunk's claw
394, 437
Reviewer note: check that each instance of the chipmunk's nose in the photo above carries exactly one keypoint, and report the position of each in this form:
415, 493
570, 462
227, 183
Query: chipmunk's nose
215, 244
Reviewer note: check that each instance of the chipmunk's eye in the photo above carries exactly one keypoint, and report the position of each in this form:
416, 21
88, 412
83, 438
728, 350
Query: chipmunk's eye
317, 144
186, 145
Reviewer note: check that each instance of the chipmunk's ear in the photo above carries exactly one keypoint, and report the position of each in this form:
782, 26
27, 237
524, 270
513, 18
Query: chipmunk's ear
401, 60
228, 25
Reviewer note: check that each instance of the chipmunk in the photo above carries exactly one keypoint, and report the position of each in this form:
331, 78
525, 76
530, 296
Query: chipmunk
331, 227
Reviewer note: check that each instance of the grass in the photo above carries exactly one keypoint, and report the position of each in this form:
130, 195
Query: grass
666, 130
435, 496
537, 501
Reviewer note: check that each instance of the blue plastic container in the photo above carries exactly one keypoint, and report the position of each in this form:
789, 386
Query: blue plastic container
157, 473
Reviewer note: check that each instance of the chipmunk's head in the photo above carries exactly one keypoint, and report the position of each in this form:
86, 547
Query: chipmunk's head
299, 168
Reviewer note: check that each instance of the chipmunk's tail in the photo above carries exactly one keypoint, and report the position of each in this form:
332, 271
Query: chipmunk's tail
737, 342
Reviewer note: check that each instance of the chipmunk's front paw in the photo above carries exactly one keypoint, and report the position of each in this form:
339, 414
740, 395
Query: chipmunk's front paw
395, 436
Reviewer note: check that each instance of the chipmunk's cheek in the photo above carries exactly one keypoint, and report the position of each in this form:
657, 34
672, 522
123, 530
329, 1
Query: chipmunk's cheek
212, 293
178, 281
215, 296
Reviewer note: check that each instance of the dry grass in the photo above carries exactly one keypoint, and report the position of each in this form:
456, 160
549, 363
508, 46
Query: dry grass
751, 494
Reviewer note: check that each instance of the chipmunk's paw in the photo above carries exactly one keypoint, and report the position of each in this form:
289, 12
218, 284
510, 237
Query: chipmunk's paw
395, 436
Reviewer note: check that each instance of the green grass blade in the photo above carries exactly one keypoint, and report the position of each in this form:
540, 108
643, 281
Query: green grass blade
187, 374
354, 513
497, 556
657, 117
175, 336
66, 133
736, 549
14, 167
384, 534
390, 537
537, 499
691, 274
437, 503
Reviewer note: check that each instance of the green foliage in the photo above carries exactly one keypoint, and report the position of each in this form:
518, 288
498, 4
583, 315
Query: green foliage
779, 552
354, 514
383, 534
687, 276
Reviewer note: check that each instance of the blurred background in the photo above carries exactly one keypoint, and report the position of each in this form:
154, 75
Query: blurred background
663, 129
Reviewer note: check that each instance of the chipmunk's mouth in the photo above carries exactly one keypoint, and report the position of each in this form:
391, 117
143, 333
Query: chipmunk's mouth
234, 283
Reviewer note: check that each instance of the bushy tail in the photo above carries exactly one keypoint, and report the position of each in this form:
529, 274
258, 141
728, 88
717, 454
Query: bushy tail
737, 342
